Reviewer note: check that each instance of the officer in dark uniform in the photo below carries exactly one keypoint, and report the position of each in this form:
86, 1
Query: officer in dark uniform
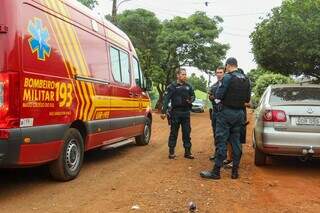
230, 98
181, 95
243, 131
212, 91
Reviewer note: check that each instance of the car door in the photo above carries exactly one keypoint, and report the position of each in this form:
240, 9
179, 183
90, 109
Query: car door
139, 85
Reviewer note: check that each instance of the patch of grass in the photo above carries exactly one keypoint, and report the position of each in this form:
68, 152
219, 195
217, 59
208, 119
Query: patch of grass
200, 95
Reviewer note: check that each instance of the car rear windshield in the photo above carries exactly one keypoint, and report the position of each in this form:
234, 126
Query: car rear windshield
295, 94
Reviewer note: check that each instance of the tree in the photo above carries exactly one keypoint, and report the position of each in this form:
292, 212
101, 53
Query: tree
188, 42
288, 40
163, 47
89, 3
198, 83
268, 79
143, 28
254, 75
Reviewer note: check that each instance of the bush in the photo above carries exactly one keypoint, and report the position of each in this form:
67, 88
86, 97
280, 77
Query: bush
268, 79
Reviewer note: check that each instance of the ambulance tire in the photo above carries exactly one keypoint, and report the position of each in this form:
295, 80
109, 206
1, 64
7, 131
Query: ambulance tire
68, 164
144, 139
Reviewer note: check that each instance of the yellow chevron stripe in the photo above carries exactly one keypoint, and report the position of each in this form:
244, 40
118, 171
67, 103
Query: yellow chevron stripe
118, 108
102, 101
92, 107
62, 49
80, 67
84, 71
65, 27
120, 103
70, 49
125, 109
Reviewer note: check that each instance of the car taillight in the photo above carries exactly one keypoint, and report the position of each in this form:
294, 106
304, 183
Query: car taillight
274, 116
9, 100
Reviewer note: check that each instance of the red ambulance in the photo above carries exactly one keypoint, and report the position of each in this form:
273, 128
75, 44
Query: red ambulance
69, 82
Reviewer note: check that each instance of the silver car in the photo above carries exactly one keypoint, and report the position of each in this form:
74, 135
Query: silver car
197, 106
287, 122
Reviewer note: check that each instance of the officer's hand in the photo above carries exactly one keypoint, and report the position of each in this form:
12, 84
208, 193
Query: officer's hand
219, 107
163, 116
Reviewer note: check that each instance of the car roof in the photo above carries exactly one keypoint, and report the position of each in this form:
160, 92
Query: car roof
295, 85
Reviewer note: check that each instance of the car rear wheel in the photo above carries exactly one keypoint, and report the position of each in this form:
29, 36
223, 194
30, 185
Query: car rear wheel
68, 165
260, 158
144, 139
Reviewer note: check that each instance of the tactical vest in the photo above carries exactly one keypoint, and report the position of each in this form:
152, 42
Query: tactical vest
238, 92
180, 96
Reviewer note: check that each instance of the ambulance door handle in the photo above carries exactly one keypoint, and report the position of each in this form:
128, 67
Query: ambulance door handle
132, 94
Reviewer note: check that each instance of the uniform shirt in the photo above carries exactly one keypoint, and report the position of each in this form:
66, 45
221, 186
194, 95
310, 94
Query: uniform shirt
179, 93
213, 90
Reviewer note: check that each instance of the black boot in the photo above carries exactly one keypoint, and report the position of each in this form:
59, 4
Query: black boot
214, 174
188, 154
234, 173
171, 153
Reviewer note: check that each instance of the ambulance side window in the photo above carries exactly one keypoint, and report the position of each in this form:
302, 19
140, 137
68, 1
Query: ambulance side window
138, 76
115, 63
125, 70
120, 65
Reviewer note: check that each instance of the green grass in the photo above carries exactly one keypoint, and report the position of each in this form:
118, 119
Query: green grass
201, 95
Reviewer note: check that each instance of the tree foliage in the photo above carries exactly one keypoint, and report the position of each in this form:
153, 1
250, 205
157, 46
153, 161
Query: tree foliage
89, 3
254, 75
198, 83
268, 79
163, 47
188, 41
288, 40
143, 28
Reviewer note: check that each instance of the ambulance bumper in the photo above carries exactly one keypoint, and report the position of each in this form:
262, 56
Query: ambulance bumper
10, 148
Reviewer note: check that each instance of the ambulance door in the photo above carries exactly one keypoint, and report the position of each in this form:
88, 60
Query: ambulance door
124, 102
139, 84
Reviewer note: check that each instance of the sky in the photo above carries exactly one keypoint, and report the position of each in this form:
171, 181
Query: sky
240, 18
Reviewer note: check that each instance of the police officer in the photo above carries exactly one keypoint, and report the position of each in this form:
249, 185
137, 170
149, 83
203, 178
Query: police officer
212, 91
230, 98
181, 95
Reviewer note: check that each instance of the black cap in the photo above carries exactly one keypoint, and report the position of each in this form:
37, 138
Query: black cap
232, 61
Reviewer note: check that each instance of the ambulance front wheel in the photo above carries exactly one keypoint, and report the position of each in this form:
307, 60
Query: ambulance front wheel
144, 139
68, 164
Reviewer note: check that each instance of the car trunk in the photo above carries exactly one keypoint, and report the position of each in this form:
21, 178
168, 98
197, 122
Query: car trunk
300, 118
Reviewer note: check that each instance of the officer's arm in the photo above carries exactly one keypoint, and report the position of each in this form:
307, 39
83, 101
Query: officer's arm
222, 89
212, 92
192, 95
167, 96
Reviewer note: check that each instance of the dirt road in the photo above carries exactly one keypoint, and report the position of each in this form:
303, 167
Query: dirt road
116, 180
